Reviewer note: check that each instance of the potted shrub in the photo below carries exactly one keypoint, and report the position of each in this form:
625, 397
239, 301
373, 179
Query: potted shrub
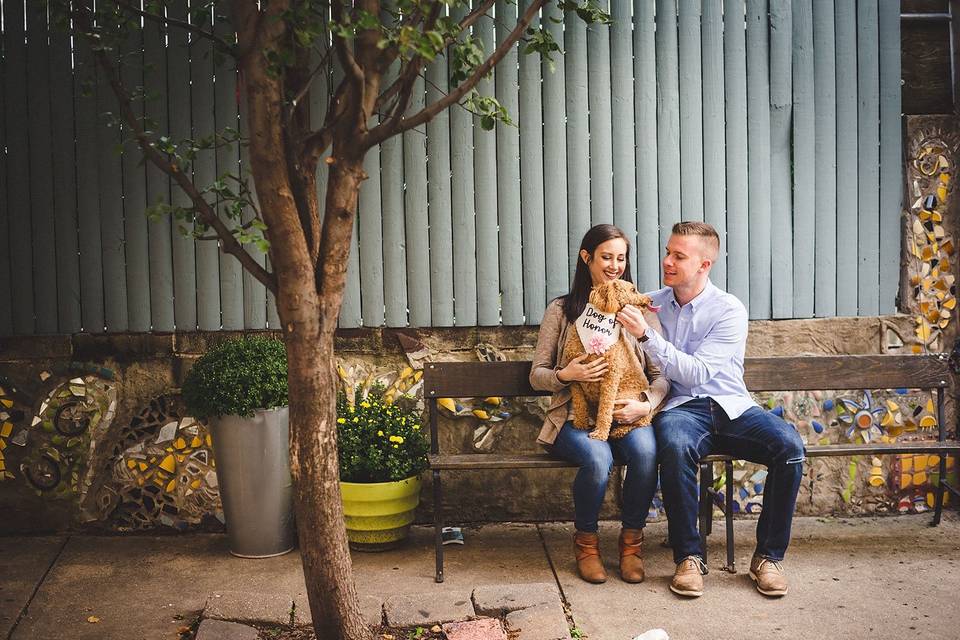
240, 387
382, 452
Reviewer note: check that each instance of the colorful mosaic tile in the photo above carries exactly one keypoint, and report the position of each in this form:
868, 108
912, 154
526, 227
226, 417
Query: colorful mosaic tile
930, 247
162, 472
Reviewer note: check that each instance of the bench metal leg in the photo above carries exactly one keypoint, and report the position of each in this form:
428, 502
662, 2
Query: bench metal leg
438, 524
706, 479
944, 486
728, 516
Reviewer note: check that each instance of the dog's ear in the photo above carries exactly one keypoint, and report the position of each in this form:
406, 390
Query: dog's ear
606, 297
594, 297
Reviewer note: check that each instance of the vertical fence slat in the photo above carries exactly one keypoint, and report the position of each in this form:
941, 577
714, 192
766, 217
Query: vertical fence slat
758, 152
135, 233
556, 251
578, 136
6, 292
273, 316
88, 201
803, 159
691, 111
735, 90
531, 183
370, 232
645, 105
18, 169
227, 157
158, 184
781, 210
601, 133
438, 170
825, 140
485, 180
394, 237
622, 110
110, 186
184, 257
202, 111
868, 156
463, 210
891, 155
415, 205
350, 310
41, 179
508, 175
668, 119
845, 21
714, 161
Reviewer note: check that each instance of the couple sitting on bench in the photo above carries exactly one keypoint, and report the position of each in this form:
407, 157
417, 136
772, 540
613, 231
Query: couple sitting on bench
691, 352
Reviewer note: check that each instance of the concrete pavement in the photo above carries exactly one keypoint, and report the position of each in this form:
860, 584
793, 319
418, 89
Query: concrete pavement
874, 578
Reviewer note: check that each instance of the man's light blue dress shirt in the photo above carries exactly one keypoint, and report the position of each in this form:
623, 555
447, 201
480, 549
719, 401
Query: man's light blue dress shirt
701, 349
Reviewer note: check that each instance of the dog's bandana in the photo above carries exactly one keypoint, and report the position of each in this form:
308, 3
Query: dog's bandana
598, 331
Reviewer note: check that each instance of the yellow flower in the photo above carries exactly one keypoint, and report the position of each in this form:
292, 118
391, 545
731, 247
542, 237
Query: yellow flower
416, 427
365, 404
396, 446
379, 433
340, 420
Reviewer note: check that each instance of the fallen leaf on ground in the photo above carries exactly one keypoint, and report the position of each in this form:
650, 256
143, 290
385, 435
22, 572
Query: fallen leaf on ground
93, 619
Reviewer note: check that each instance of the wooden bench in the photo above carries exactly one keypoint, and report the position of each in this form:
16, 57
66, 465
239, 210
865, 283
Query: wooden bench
796, 373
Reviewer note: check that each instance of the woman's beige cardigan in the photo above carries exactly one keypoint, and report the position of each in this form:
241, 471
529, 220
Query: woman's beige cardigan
547, 361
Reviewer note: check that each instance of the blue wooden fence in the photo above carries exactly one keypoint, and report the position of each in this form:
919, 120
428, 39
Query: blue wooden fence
777, 121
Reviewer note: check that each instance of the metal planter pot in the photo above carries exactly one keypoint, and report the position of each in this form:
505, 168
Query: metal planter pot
253, 471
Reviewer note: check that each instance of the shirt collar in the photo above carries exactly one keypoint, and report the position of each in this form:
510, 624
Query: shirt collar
706, 294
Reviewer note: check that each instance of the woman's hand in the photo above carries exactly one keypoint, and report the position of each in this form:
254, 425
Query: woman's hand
629, 411
632, 319
580, 371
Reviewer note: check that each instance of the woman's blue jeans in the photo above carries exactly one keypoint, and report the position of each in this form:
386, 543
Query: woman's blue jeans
699, 427
637, 450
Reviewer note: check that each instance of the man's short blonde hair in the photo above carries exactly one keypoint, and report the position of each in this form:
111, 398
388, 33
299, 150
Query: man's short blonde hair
711, 239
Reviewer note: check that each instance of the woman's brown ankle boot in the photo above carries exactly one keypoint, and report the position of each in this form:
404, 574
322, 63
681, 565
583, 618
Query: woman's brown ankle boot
631, 555
589, 563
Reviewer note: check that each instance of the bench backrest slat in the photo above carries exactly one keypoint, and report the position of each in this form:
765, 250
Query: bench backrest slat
473, 379
784, 373
846, 372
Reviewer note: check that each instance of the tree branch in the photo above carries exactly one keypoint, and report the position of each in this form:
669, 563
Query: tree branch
207, 215
222, 44
467, 22
350, 66
399, 125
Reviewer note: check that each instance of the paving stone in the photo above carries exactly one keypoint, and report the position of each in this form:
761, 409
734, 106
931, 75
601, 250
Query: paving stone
498, 600
241, 606
427, 609
224, 630
482, 629
541, 622
371, 608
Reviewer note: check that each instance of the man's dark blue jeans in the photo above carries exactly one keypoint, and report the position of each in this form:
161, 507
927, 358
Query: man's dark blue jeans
700, 427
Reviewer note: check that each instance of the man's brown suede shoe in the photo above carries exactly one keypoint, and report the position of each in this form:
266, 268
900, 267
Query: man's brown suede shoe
769, 576
589, 563
688, 578
631, 555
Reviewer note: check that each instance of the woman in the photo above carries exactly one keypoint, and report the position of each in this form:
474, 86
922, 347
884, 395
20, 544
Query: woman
604, 255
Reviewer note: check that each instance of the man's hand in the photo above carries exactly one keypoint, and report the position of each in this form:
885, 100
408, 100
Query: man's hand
629, 411
632, 319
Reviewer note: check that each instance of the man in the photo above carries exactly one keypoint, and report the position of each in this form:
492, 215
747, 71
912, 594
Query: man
710, 411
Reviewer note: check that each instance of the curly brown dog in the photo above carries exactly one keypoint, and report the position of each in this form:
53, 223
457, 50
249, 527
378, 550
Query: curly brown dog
624, 379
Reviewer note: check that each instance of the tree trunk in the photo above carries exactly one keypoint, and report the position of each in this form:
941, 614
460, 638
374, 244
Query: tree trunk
313, 447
